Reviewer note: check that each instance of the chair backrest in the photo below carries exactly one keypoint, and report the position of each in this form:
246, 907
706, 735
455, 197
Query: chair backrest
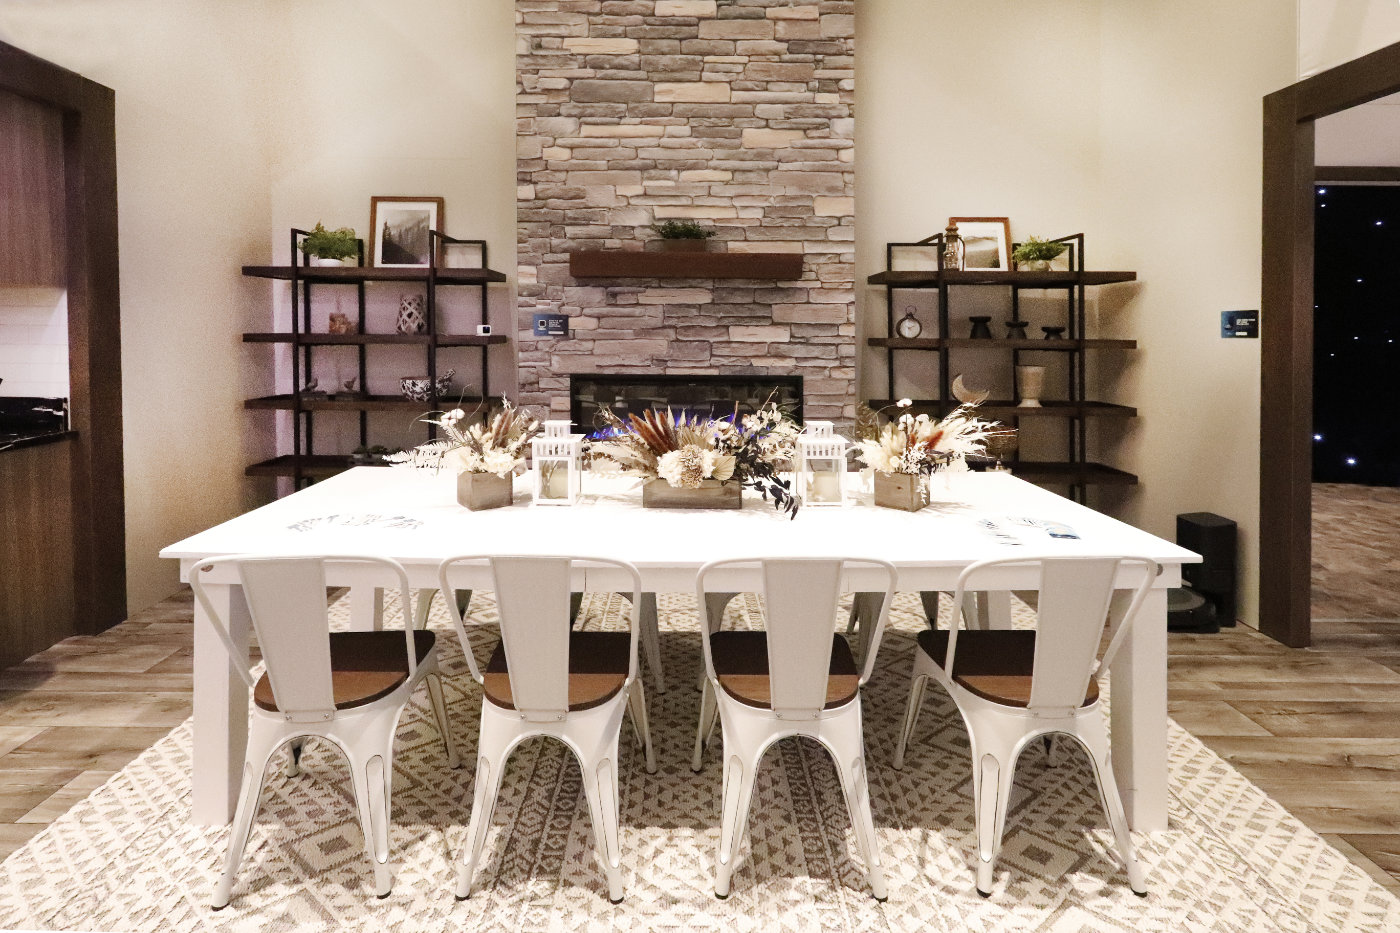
1073, 605
800, 597
532, 600
286, 599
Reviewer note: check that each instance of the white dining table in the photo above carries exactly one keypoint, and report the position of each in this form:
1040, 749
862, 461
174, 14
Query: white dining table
412, 516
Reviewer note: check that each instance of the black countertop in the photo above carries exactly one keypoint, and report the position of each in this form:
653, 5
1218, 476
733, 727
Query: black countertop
21, 439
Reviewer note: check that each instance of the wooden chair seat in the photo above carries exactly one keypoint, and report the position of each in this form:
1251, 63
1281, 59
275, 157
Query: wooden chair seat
365, 666
995, 665
598, 664
741, 666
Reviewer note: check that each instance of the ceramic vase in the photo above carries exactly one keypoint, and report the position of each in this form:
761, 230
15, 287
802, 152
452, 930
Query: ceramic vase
411, 317
1030, 381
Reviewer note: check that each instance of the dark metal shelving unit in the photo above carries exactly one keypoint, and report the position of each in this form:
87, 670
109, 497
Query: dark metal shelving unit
303, 464
1075, 472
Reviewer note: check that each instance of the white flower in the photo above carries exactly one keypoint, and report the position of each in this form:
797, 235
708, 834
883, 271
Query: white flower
904, 402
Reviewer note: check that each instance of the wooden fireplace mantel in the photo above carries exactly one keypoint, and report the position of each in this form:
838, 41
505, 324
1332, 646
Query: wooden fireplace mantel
631, 264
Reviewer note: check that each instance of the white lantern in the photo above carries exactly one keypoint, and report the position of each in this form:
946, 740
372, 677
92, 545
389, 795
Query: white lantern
557, 456
821, 465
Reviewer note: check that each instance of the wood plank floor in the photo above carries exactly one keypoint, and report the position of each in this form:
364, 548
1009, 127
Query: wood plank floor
1317, 729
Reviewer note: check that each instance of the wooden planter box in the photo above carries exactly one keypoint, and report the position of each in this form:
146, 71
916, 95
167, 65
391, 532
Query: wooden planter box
479, 491
901, 491
712, 494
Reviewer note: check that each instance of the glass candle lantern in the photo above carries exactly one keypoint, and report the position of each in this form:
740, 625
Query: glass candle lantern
557, 455
821, 465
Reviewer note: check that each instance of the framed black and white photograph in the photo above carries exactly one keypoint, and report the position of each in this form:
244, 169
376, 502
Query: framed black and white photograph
399, 230
986, 242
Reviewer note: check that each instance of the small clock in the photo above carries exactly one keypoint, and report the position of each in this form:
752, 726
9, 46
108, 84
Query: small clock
908, 326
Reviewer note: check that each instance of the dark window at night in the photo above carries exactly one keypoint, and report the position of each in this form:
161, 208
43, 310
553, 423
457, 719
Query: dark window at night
1356, 344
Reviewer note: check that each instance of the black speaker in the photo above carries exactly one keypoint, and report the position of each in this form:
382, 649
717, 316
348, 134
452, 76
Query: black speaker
1216, 539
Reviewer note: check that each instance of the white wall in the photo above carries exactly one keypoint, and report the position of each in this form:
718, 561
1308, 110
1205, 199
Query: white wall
192, 190
1364, 135
34, 341
1135, 123
1331, 32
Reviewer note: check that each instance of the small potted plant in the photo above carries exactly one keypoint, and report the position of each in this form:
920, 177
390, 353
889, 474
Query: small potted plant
690, 462
1035, 255
330, 247
485, 455
908, 449
683, 236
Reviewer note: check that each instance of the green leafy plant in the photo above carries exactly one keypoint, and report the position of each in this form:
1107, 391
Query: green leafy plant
682, 230
1037, 250
331, 244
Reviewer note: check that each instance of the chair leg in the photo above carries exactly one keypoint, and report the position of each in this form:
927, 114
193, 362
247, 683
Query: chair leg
736, 795
917, 684
995, 768
850, 765
637, 704
651, 640
372, 776
294, 750
600, 787
440, 714
575, 604
254, 772
1097, 747
715, 604
702, 728
489, 767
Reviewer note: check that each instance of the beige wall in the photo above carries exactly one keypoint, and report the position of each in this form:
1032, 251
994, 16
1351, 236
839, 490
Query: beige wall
1331, 32
1136, 123
1364, 135
192, 190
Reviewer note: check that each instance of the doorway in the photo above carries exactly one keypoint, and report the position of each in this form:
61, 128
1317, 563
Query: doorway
1287, 298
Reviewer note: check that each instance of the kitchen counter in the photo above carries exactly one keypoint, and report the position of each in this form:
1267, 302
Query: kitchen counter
18, 440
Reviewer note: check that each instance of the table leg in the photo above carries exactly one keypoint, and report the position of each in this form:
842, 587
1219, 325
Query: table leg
996, 608
1139, 717
220, 708
929, 599
366, 608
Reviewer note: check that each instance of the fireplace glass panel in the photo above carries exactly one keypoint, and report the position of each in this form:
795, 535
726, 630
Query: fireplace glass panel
707, 396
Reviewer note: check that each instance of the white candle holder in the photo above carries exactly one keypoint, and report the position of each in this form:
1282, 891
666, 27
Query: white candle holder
821, 465
557, 457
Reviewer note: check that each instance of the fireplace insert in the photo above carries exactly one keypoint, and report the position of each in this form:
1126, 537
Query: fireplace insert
708, 396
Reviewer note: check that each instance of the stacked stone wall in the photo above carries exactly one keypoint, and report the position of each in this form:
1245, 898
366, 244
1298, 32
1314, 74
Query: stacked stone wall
736, 113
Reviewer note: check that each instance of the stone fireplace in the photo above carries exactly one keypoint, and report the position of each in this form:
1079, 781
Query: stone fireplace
735, 113
703, 395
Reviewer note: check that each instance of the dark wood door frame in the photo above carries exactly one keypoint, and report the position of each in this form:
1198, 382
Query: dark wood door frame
1286, 388
94, 327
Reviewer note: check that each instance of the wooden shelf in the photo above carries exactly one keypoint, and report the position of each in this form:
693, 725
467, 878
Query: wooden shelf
317, 466
935, 279
1008, 409
631, 264
964, 343
1072, 474
351, 275
369, 403
352, 340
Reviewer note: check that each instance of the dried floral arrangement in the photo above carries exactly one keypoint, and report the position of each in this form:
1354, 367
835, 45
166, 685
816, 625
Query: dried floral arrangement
917, 444
496, 444
686, 450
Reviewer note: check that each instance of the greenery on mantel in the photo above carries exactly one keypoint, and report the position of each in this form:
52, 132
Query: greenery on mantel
682, 230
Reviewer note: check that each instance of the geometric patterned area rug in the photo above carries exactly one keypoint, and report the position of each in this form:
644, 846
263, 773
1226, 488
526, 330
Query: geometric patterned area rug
127, 858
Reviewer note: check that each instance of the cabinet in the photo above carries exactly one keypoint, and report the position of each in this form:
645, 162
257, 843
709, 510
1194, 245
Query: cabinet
305, 462
33, 248
994, 359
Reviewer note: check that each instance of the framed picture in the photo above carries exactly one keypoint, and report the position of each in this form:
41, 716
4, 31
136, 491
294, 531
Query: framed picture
399, 230
986, 242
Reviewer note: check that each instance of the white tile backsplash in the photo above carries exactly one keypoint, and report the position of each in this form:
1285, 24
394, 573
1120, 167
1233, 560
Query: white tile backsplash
34, 341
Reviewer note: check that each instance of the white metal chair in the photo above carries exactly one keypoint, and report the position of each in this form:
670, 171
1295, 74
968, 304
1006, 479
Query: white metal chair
545, 679
796, 678
1013, 686
349, 688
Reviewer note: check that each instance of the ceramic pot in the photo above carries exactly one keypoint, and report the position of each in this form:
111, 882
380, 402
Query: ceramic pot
419, 388
479, 491
683, 246
411, 318
903, 491
980, 327
712, 494
1033, 265
1030, 381
319, 261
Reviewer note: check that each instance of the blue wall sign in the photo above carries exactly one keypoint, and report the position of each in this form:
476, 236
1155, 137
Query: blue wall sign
551, 325
1239, 324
